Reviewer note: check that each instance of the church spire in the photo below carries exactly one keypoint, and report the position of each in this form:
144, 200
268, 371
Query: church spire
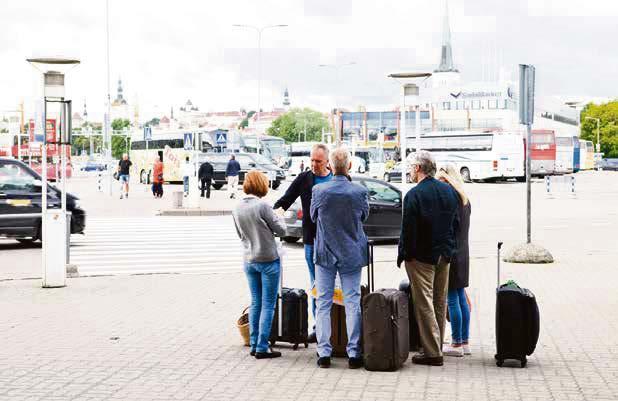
446, 53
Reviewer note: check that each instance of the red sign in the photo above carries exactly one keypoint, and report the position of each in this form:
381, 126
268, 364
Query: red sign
31, 130
50, 130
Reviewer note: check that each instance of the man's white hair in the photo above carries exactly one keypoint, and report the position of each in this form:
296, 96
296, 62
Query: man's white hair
425, 161
340, 160
320, 146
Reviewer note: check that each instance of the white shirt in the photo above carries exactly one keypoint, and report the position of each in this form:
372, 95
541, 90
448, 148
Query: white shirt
188, 170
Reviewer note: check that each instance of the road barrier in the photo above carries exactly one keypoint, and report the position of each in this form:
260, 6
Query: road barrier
557, 185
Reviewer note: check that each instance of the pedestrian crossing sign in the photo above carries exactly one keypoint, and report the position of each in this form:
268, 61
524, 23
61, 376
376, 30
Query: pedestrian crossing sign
221, 138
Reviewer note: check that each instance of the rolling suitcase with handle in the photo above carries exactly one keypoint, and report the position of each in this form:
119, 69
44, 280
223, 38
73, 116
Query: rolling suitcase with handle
517, 321
386, 343
415, 337
290, 322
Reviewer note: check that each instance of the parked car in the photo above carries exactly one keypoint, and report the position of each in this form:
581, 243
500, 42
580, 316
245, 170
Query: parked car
383, 223
608, 164
20, 193
394, 174
248, 161
93, 166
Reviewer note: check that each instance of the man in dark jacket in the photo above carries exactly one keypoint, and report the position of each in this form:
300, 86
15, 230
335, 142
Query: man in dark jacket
302, 186
426, 244
205, 175
231, 174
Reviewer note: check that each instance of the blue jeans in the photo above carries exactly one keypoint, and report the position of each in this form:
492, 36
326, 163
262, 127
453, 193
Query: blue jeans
311, 267
350, 284
185, 181
263, 280
459, 311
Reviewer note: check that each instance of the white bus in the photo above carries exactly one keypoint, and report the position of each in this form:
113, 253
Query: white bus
271, 147
564, 155
485, 156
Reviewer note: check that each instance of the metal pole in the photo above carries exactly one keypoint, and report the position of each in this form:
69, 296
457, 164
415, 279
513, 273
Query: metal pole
44, 169
403, 143
528, 186
108, 136
598, 136
259, 112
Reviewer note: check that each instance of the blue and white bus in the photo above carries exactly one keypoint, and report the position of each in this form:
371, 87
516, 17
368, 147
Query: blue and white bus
576, 152
564, 155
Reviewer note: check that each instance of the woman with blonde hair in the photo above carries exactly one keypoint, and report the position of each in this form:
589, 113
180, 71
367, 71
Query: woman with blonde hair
458, 304
257, 224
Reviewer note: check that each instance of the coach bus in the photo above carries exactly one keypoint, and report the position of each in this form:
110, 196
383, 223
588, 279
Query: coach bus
543, 152
589, 155
272, 147
564, 155
486, 156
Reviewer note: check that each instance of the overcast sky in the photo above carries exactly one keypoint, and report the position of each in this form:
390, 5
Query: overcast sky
169, 51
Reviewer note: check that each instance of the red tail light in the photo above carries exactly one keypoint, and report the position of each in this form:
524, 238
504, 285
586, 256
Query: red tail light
299, 214
495, 164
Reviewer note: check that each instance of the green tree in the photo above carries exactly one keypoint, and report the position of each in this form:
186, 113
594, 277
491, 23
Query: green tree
292, 125
608, 127
120, 143
153, 123
245, 122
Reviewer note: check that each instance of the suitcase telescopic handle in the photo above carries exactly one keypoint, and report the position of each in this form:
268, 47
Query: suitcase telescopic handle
499, 247
370, 282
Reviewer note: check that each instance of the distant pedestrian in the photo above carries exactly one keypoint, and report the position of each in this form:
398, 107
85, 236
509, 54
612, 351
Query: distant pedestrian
302, 166
206, 173
459, 272
187, 171
257, 224
338, 208
231, 174
124, 167
427, 244
157, 178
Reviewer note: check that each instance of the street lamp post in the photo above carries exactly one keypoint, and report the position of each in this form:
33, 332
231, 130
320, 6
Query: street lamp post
259, 31
338, 133
410, 88
598, 120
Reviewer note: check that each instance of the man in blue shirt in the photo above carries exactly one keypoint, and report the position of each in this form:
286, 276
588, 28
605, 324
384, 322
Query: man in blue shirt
231, 174
426, 244
339, 208
302, 187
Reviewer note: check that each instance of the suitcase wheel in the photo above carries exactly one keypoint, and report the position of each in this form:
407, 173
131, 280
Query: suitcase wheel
306, 345
524, 362
295, 347
272, 343
499, 362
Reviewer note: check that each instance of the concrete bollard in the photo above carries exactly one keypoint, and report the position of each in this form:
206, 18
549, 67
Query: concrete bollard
177, 197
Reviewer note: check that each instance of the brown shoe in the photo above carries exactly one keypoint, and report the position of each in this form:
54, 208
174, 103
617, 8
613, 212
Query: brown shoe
421, 359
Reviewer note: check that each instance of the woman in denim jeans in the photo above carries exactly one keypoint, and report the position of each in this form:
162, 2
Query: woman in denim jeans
458, 306
257, 224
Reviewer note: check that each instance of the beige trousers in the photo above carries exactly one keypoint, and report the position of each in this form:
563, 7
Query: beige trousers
429, 288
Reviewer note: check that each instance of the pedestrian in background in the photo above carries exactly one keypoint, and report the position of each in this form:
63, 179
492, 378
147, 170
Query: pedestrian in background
157, 178
257, 224
124, 168
206, 173
231, 174
459, 271
338, 208
187, 171
427, 244
302, 187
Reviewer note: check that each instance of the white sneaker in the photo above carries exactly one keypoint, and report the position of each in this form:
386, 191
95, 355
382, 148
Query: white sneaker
449, 350
466, 349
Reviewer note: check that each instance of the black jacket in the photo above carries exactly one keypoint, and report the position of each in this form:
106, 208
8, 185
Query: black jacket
206, 171
429, 222
459, 272
301, 186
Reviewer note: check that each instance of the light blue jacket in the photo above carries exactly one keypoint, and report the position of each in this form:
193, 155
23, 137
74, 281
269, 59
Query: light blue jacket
338, 208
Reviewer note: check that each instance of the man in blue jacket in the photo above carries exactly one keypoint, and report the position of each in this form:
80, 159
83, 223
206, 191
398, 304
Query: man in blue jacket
426, 244
302, 187
231, 174
339, 208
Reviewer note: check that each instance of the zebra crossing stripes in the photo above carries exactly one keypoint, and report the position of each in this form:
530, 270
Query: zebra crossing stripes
152, 245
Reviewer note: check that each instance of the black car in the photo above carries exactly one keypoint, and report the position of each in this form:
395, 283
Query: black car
20, 193
247, 161
383, 223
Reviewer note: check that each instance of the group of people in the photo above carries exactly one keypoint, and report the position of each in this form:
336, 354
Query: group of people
434, 232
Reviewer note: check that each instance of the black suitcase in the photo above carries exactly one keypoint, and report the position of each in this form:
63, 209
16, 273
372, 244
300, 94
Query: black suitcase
290, 326
517, 321
415, 337
386, 343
